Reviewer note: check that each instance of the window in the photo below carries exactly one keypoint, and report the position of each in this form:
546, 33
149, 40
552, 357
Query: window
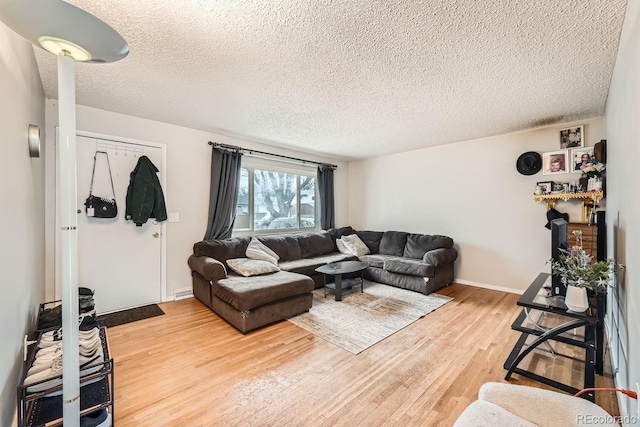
275, 200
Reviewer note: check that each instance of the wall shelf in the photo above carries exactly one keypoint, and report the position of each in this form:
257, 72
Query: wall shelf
587, 198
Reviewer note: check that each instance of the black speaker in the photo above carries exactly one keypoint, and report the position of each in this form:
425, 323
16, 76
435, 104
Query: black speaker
601, 254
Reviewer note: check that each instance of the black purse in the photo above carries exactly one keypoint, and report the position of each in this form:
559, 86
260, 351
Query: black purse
101, 207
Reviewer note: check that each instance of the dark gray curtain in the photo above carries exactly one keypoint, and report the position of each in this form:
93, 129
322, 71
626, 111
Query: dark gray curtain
325, 186
223, 194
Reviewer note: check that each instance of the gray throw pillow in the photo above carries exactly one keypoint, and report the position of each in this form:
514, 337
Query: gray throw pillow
355, 245
251, 267
258, 250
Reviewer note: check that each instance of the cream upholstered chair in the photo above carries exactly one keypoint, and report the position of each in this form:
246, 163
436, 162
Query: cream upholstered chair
512, 405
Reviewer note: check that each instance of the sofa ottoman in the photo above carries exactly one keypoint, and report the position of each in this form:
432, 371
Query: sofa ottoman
250, 304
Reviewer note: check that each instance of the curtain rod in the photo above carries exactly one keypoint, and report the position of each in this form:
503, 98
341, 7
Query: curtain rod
233, 147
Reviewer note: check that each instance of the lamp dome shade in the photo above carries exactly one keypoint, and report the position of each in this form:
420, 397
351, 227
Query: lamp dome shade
57, 25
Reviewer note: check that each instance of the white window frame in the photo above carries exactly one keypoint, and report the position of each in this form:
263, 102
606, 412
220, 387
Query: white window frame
252, 164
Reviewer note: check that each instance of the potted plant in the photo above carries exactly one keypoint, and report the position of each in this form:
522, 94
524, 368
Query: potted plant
579, 273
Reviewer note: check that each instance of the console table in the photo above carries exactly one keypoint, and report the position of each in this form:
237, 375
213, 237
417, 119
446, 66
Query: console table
545, 318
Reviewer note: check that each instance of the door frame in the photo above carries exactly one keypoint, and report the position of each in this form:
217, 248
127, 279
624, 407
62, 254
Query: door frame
163, 224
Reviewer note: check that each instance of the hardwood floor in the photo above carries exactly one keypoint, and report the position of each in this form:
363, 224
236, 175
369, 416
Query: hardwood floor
190, 368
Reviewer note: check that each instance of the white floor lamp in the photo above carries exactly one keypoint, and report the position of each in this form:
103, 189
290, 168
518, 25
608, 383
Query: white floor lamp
73, 35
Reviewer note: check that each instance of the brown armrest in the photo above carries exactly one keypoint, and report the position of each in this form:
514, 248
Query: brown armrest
209, 268
438, 257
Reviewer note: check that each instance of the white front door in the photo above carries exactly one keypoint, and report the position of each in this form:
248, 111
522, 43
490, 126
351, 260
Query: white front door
117, 259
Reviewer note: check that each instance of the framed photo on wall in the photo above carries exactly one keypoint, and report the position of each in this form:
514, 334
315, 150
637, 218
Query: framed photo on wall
555, 162
581, 156
572, 137
545, 186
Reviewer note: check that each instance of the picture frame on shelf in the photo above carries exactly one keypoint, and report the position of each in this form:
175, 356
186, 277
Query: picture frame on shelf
580, 156
545, 186
572, 137
555, 162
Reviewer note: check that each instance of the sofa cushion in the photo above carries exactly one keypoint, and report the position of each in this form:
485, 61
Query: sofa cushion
371, 239
308, 265
481, 413
315, 244
418, 244
244, 293
559, 409
355, 245
375, 260
414, 267
393, 242
251, 267
286, 246
258, 250
222, 250
207, 267
438, 257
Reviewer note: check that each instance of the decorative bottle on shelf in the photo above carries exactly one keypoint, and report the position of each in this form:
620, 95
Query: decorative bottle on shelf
598, 184
584, 182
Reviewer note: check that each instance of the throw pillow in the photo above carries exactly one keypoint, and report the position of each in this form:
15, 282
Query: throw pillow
342, 248
251, 267
355, 245
258, 250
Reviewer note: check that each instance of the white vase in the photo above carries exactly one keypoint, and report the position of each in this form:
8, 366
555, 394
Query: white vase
576, 299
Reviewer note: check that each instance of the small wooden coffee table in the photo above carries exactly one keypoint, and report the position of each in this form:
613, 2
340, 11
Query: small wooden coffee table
337, 269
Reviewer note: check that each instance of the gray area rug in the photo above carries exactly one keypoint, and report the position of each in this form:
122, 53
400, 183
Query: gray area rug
362, 319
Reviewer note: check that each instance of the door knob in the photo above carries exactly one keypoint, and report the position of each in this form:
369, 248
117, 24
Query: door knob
156, 234
155, 222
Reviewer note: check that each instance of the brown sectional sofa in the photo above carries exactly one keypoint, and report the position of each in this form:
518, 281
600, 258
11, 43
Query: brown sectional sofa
411, 261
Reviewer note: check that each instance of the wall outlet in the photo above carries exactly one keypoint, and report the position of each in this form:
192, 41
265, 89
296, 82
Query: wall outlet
174, 217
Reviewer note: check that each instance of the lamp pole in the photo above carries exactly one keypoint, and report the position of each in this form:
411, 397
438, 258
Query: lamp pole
72, 35
69, 239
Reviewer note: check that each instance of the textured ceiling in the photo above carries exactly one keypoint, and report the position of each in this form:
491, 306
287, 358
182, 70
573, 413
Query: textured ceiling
354, 79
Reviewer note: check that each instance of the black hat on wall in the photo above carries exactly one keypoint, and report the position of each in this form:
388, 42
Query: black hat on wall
529, 163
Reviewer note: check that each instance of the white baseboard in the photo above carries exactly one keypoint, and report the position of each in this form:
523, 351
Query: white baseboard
488, 286
183, 294
627, 418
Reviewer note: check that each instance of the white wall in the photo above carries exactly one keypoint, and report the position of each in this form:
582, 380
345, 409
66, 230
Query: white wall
21, 210
472, 192
188, 174
623, 206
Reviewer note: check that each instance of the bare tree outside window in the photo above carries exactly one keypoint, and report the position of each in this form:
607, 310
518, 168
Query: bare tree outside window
275, 196
307, 201
272, 198
242, 209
